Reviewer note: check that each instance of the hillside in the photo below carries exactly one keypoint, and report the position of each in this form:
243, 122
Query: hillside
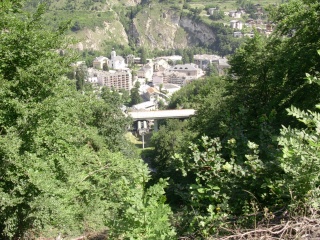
148, 23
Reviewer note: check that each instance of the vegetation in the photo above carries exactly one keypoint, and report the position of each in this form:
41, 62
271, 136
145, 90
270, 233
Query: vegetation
65, 164
249, 159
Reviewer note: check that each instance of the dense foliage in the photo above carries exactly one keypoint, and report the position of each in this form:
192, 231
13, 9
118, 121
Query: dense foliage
243, 159
252, 161
65, 164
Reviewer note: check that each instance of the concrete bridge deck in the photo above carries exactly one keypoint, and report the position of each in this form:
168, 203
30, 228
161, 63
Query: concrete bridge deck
161, 114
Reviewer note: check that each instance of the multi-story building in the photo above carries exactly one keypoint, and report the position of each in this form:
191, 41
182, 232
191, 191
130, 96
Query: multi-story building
189, 69
146, 71
203, 60
160, 65
121, 79
159, 78
116, 62
98, 62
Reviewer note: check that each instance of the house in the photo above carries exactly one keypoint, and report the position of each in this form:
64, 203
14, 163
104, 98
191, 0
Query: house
223, 66
203, 60
160, 78
250, 35
212, 10
170, 88
146, 72
152, 94
236, 24
160, 65
250, 23
269, 27
232, 13
173, 58
189, 69
178, 78
98, 62
149, 105
131, 59
237, 34
237, 14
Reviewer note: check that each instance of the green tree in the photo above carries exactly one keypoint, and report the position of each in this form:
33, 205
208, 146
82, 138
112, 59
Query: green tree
194, 94
135, 95
57, 169
212, 70
81, 75
105, 67
143, 55
217, 15
172, 138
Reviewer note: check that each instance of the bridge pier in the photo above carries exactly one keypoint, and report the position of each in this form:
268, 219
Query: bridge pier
160, 114
155, 126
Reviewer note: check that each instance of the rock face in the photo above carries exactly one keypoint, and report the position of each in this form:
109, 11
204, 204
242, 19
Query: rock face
168, 29
199, 33
152, 28
155, 29
94, 39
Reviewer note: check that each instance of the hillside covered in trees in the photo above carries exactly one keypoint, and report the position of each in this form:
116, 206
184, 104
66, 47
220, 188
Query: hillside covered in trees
246, 166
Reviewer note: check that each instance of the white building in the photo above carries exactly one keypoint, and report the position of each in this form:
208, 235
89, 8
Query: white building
160, 65
159, 78
236, 24
170, 88
149, 105
189, 69
203, 60
121, 79
146, 72
212, 10
237, 34
116, 62
98, 62
173, 58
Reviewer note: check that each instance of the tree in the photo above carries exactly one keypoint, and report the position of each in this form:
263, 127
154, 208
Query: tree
135, 95
81, 75
217, 15
76, 26
212, 70
172, 138
143, 55
194, 94
58, 169
105, 67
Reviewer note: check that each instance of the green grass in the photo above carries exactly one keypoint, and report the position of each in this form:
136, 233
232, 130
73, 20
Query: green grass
89, 19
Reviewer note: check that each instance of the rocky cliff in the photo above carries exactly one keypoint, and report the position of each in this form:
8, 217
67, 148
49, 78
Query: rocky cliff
153, 27
168, 29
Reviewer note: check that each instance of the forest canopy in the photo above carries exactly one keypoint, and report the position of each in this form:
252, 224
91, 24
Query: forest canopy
65, 164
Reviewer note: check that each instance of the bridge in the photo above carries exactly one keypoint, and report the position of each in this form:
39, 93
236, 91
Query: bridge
161, 114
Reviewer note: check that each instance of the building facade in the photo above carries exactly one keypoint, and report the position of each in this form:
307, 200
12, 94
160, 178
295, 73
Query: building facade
189, 69
121, 79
